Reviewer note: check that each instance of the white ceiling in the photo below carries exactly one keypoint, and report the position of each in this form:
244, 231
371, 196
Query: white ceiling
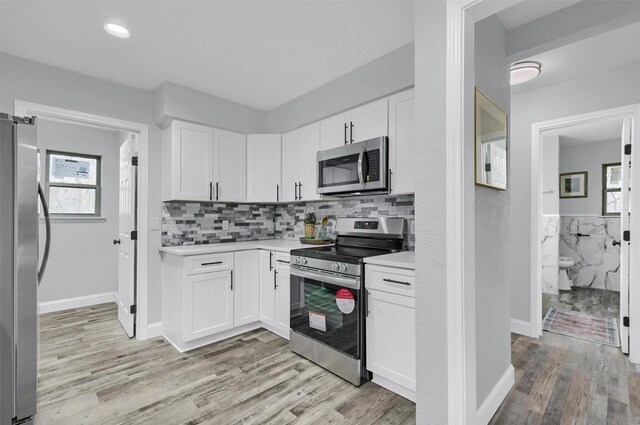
530, 10
589, 133
258, 53
595, 54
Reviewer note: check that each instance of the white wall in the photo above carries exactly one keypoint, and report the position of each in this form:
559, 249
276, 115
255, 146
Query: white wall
83, 260
550, 156
595, 92
492, 230
588, 157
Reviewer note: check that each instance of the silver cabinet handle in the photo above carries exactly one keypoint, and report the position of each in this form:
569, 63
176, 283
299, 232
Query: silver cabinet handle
275, 280
295, 191
397, 281
231, 280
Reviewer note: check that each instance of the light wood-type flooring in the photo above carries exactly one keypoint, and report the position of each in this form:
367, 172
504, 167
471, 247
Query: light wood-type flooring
91, 373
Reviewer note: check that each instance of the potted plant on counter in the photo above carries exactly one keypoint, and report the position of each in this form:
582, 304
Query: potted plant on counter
310, 219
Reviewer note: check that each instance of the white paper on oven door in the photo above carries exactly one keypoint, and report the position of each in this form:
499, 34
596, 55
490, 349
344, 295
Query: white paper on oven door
317, 321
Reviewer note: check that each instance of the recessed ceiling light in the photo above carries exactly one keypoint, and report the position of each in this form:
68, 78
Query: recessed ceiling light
521, 72
117, 30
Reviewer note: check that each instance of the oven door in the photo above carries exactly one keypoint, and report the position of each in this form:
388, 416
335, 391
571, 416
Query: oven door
327, 308
353, 168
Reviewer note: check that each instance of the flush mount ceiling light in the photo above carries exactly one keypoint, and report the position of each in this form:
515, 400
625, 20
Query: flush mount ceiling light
117, 30
521, 72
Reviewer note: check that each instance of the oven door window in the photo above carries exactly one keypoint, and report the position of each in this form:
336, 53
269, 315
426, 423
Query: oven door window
327, 313
339, 171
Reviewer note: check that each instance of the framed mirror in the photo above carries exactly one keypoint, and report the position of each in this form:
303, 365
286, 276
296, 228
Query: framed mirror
491, 144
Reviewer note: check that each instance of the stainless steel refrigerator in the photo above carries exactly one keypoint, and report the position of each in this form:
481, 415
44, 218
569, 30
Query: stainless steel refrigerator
21, 268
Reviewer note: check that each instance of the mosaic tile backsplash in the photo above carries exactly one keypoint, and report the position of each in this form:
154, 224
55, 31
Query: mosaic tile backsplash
187, 223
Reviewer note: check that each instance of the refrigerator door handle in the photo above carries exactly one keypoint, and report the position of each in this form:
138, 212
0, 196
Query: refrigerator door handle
47, 241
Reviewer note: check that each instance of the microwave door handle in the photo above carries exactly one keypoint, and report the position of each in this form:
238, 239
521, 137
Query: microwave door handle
361, 166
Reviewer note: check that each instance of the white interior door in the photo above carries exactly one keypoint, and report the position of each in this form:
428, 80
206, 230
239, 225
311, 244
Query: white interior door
127, 245
625, 245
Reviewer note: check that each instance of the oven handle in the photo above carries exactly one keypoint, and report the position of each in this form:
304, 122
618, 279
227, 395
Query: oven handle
351, 283
360, 166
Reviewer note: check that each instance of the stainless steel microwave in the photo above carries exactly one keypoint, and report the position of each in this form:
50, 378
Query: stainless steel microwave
353, 169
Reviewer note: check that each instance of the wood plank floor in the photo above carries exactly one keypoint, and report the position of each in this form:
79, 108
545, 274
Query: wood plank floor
91, 373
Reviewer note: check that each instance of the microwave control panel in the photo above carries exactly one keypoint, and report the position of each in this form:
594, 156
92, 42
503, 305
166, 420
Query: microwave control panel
373, 162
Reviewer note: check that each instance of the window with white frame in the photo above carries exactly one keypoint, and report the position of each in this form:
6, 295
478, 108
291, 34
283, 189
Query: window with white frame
73, 184
611, 189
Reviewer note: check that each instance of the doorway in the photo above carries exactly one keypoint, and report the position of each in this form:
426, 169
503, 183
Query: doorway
579, 249
134, 288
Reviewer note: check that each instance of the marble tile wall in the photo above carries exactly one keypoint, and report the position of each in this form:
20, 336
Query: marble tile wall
190, 223
597, 260
289, 218
550, 246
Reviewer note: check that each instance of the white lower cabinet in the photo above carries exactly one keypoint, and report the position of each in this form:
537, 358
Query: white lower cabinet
246, 287
274, 292
283, 300
390, 325
207, 304
267, 288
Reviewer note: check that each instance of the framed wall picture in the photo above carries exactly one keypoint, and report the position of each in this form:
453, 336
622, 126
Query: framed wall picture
574, 185
491, 144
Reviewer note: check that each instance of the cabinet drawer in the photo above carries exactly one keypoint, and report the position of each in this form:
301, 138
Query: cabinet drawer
207, 263
390, 279
283, 260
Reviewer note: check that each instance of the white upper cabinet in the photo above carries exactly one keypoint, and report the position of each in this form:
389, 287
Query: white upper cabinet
230, 166
369, 121
402, 142
299, 149
188, 167
264, 157
363, 123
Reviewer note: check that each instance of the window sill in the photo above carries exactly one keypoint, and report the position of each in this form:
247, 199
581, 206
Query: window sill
73, 220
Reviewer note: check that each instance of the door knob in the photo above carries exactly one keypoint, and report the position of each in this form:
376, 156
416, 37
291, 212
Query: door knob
116, 241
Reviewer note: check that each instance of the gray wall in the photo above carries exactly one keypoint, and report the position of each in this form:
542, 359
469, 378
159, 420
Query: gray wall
613, 88
83, 260
493, 340
550, 156
588, 157
431, 227
30, 81
388, 74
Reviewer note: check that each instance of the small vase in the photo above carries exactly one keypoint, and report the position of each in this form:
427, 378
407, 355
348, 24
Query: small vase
308, 230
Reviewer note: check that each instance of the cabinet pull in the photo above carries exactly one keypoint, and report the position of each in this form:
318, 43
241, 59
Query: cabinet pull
299, 191
389, 182
351, 132
211, 263
367, 303
270, 260
397, 281
211, 191
277, 193
275, 280
295, 191
345, 134
231, 280
217, 191
282, 261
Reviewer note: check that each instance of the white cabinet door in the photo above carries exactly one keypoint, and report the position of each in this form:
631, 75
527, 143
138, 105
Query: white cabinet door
267, 287
292, 146
334, 131
207, 305
391, 338
189, 150
369, 121
264, 159
230, 166
283, 301
246, 287
402, 142
310, 136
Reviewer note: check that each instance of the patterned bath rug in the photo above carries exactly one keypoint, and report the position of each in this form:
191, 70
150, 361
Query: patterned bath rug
603, 330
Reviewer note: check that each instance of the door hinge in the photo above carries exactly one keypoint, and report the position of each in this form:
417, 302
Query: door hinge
133, 309
626, 236
134, 235
625, 321
627, 149
134, 161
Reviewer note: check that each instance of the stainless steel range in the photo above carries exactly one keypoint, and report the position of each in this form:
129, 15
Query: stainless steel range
328, 308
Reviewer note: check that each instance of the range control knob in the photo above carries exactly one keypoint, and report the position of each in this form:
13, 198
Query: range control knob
335, 267
298, 260
304, 261
343, 268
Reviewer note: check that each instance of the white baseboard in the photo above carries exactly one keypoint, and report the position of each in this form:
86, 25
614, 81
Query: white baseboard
154, 330
497, 395
520, 327
69, 303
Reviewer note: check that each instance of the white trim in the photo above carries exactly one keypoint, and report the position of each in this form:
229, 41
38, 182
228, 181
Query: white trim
52, 113
76, 302
184, 346
154, 330
394, 387
521, 327
535, 307
493, 401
